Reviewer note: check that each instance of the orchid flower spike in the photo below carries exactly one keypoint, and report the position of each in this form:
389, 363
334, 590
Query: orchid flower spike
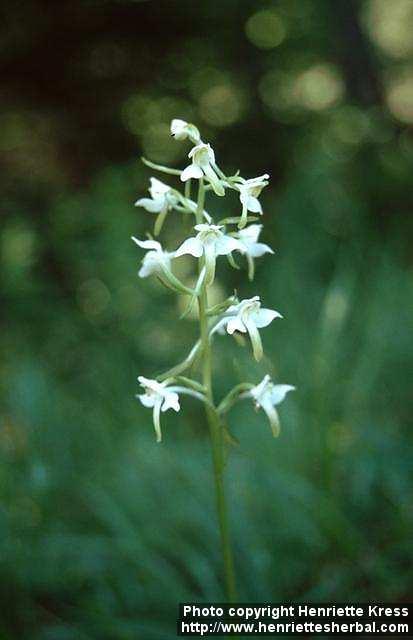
159, 397
252, 248
268, 395
203, 159
181, 130
156, 260
249, 190
210, 242
161, 200
247, 316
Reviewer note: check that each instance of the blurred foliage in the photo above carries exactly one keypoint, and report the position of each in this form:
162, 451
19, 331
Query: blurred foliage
102, 531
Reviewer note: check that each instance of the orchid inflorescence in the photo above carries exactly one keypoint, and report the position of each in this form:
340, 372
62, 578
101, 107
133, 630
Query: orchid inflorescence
208, 242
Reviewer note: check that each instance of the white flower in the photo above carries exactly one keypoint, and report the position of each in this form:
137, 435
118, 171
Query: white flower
203, 158
249, 190
252, 248
161, 200
209, 238
247, 316
210, 242
160, 397
155, 260
267, 395
181, 130
249, 237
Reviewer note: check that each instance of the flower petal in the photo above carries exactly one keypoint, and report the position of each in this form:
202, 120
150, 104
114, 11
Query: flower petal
263, 317
225, 244
251, 233
235, 324
147, 400
243, 195
154, 206
254, 205
257, 249
219, 327
158, 188
191, 246
279, 391
177, 125
191, 171
148, 244
147, 269
257, 391
171, 401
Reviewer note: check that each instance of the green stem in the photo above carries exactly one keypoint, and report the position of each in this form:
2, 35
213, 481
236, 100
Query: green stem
182, 366
215, 427
175, 282
231, 398
159, 167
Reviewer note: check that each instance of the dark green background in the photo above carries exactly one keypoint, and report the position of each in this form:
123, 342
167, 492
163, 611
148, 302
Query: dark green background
103, 532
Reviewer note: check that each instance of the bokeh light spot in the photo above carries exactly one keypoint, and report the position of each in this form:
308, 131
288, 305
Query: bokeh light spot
93, 297
400, 97
206, 78
158, 145
319, 87
350, 125
138, 111
150, 118
18, 246
221, 105
390, 25
316, 88
265, 29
